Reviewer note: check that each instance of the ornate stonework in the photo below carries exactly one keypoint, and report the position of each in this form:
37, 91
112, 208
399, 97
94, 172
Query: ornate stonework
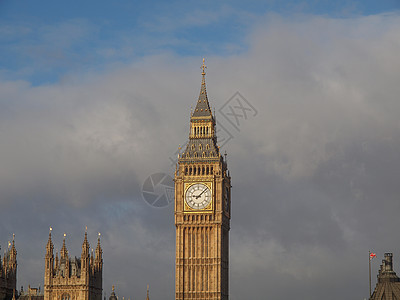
202, 210
8, 272
69, 278
388, 285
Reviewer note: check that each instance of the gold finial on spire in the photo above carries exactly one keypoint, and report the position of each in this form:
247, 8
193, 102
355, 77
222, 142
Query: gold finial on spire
113, 288
65, 235
13, 237
51, 229
203, 67
85, 228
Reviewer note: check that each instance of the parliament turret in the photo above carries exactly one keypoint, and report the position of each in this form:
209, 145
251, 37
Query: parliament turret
388, 284
112, 296
73, 277
8, 271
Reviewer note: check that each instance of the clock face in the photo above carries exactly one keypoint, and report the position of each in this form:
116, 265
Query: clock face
198, 196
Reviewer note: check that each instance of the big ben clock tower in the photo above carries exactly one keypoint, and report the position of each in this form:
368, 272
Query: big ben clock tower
202, 210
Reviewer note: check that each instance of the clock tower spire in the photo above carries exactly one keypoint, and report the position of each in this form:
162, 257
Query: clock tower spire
202, 210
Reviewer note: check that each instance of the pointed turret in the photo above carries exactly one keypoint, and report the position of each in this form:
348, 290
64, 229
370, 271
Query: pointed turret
85, 245
64, 259
203, 106
202, 138
85, 259
49, 246
112, 296
49, 262
64, 251
99, 254
13, 252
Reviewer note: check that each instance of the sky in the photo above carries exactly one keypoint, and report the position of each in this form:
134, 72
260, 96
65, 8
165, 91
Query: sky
95, 98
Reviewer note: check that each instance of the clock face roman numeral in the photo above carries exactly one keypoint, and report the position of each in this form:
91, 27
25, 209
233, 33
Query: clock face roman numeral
198, 196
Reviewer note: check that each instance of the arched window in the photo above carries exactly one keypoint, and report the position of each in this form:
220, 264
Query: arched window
65, 297
200, 147
207, 146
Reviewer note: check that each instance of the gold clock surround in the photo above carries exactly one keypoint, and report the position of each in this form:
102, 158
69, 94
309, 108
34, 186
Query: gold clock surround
209, 208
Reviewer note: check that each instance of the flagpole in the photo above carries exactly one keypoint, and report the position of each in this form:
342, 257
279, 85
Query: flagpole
369, 264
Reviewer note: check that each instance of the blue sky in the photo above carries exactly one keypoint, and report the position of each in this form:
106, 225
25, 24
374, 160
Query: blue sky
94, 98
43, 41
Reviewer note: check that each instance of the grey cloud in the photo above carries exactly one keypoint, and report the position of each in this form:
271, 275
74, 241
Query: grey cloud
314, 173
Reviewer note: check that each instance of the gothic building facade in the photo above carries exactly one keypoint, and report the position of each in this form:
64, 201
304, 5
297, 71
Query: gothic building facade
8, 272
202, 210
68, 278
388, 284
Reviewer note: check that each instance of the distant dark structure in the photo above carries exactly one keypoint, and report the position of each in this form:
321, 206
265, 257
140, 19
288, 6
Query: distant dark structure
30, 294
388, 285
8, 272
112, 296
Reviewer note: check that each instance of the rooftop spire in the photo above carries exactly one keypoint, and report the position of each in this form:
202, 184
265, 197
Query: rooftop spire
148, 298
64, 252
13, 250
99, 251
203, 67
49, 247
202, 107
85, 245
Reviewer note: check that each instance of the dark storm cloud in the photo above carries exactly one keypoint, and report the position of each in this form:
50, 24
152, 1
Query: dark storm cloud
315, 172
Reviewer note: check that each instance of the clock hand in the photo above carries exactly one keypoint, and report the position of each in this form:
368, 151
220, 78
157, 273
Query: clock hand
198, 196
